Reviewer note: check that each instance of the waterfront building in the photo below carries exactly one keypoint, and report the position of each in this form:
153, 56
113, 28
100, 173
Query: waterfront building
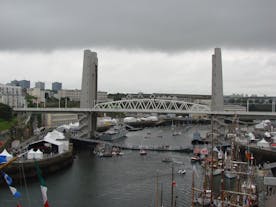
102, 97
56, 86
12, 96
195, 98
22, 83
40, 85
74, 95
55, 120
38, 93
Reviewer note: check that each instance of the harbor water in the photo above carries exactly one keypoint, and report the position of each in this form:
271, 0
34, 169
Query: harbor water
121, 181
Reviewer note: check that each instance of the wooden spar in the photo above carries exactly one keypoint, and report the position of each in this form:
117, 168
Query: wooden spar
193, 186
237, 193
161, 204
156, 193
172, 183
199, 190
222, 187
239, 173
8, 163
237, 162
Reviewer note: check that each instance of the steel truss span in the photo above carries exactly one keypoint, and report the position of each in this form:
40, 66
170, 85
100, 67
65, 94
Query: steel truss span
151, 105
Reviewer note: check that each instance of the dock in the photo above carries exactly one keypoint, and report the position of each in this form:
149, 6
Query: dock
164, 148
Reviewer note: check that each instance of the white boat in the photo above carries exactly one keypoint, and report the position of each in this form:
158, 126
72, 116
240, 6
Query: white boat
113, 133
176, 133
143, 152
167, 159
181, 171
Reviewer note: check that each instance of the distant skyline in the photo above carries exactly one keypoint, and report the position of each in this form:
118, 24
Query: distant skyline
148, 46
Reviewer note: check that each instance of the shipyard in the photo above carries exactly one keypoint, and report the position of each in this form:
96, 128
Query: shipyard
141, 104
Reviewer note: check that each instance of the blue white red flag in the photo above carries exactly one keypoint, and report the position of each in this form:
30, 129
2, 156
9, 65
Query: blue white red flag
13, 190
3, 159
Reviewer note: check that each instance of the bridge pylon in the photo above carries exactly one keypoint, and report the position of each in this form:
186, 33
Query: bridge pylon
88, 99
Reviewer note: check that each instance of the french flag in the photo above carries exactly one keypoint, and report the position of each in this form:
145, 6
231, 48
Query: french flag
13, 190
3, 159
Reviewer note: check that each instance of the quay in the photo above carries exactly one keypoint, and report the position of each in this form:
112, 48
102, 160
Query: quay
164, 148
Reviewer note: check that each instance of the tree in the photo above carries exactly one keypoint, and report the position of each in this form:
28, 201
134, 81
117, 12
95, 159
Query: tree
5, 112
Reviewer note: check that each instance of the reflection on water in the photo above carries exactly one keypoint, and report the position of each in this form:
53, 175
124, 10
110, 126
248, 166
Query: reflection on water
122, 181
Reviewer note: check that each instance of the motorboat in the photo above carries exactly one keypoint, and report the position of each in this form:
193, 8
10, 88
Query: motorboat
181, 171
167, 159
143, 152
176, 133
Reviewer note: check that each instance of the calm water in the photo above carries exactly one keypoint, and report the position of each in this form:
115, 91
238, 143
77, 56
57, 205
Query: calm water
123, 181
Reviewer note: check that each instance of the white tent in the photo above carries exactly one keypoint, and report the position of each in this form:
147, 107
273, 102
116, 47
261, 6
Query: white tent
263, 143
55, 135
38, 155
8, 155
267, 134
31, 154
57, 143
251, 136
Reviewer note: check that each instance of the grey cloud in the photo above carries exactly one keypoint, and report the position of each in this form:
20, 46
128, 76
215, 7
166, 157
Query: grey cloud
151, 25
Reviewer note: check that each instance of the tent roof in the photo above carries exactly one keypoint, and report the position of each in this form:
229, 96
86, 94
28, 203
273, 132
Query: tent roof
52, 141
54, 135
31, 151
38, 152
263, 141
5, 153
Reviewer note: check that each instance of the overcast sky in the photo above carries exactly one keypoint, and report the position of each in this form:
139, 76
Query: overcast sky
145, 45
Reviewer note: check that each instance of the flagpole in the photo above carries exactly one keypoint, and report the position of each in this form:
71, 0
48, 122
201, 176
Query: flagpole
8, 163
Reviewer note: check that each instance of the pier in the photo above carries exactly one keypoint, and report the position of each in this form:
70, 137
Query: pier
164, 148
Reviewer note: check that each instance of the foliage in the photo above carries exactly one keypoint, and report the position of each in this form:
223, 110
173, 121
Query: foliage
6, 124
117, 96
5, 112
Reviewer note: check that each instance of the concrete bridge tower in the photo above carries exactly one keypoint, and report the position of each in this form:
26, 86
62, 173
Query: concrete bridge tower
88, 97
217, 103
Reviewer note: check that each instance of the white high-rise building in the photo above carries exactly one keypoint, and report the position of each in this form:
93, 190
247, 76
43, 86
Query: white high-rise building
12, 96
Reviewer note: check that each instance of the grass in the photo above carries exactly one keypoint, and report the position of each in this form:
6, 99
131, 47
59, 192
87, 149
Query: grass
4, 125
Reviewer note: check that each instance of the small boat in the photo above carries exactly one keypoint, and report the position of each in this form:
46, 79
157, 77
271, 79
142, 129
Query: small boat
181, 171
195, 159
176, 133
143, 152
166, 159
107, 154
120, 153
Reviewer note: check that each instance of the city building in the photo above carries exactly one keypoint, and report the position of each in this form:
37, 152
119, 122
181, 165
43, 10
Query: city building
22, 83
56, 86
55, 120
102, 97
74, 95
38, 93
40, 85
12, 96
195, 98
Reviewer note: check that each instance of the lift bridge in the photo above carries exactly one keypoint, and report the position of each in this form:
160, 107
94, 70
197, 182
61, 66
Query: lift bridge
131, 106
89, 108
